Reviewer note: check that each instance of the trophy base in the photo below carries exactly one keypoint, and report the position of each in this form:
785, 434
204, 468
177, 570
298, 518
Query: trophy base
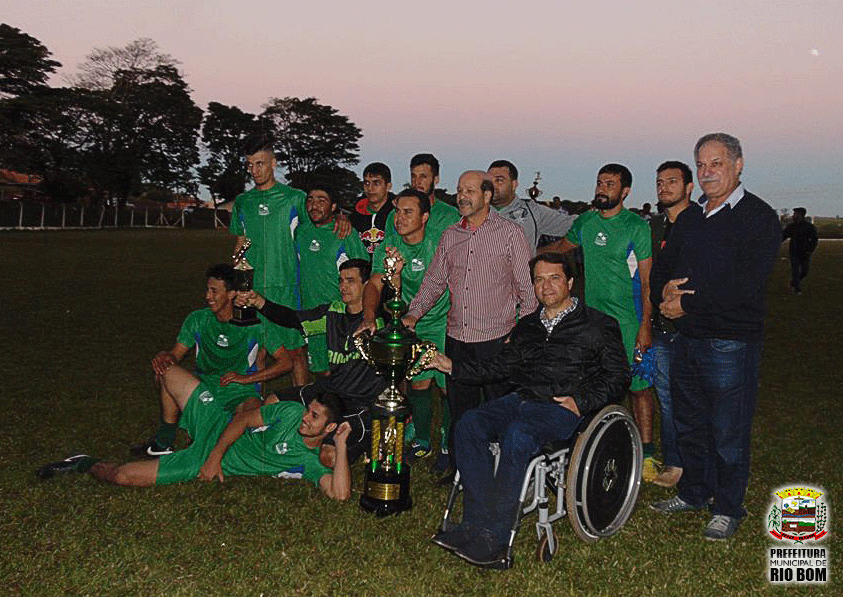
245, 316
387, 493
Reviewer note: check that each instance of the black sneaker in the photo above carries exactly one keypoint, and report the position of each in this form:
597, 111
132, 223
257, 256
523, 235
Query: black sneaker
486, 552
443, 462
453, 539
151, 449
68, 465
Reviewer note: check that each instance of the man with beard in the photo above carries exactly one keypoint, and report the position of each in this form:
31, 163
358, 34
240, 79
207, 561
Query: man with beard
279, 440
534, 218
483, 262
320, 254
711, 277
374, 207
674, 185
617, 253
424, 176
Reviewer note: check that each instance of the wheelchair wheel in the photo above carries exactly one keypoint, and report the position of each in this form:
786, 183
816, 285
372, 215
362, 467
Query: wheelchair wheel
544, 553
604, 474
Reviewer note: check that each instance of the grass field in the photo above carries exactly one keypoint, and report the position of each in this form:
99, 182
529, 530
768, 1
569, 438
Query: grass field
82, 314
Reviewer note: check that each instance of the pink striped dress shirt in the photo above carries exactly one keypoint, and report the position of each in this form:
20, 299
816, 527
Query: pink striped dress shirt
487, 272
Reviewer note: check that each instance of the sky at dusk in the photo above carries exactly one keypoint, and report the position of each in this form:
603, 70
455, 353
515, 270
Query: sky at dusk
556, 87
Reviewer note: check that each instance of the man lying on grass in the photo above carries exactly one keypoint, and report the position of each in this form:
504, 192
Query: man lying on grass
280, 440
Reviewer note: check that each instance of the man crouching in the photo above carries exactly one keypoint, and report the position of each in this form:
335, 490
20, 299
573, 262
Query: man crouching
280, 440
564, 360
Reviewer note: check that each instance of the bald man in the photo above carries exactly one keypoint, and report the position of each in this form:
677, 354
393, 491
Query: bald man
483, 260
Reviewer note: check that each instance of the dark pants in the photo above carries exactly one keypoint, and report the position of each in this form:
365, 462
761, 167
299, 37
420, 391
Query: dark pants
520, 427
713, 388
662, 350
799, 265
461, 396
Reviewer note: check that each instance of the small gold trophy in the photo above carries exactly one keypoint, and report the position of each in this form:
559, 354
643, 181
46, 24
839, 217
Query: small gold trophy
244, 275
396, 353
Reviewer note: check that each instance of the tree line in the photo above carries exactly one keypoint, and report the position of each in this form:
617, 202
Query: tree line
126, 125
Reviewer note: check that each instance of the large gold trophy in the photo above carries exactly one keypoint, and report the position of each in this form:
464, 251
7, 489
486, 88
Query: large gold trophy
244, 275
396, 353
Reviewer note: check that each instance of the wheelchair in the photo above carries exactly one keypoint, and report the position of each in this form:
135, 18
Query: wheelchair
595, 476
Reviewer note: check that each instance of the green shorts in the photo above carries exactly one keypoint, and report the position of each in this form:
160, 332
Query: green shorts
205, 419
435, 334
629, 331
317, 352
276, 335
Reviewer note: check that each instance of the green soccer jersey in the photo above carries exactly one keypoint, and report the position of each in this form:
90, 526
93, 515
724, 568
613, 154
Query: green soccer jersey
442, 215
417, 258
270, 219
222, 347
320, 254
276, 448
612, 248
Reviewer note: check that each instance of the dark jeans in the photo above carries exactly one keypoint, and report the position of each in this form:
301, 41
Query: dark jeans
713, 387
520, 427
461, 396
662, 349
799, 265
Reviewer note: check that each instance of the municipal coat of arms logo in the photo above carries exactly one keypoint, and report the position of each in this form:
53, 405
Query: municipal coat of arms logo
798, 515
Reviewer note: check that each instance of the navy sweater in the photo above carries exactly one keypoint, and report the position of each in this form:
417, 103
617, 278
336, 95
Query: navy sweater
727, 259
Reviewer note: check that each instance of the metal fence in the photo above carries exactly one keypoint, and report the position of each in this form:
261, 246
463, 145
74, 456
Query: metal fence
38, 215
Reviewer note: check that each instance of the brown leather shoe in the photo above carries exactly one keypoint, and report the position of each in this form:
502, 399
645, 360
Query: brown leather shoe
669, 476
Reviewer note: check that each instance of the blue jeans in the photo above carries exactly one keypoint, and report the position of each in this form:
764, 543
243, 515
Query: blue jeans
713, 386
521, 427
662, 349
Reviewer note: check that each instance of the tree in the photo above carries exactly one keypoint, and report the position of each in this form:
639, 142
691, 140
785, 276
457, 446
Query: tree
345, 185
309, 134
223, 131
25, 63
101, 66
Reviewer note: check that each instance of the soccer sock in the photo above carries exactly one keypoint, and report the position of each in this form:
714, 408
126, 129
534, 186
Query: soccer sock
166, 434
649, 449
422, 415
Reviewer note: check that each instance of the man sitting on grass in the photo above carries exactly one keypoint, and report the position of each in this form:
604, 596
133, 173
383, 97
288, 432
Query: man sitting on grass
225, 360
350, 377
280, 440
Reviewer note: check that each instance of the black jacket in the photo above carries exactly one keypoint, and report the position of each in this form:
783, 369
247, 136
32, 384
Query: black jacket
583, 357
727, 259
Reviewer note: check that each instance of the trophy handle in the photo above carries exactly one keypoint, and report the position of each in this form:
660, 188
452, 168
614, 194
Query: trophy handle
361, 343
423, 354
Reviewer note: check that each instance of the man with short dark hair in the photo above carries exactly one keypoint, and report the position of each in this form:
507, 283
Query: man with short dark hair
483, 262
617, 253
350, 377
803, 241
564, 360
534, 218
710, 280
414, 248
279, 440
674, 185
370, 215
268, 215
320, 254
225, 359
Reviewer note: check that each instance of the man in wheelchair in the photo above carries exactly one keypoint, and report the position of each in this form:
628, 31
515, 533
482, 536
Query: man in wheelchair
564, 361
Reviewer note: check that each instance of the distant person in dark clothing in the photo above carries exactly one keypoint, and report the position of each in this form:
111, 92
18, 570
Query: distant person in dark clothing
803, 241
372, 210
